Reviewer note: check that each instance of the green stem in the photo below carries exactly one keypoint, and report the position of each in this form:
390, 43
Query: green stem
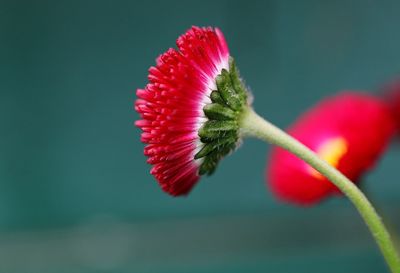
389, 224
255, 126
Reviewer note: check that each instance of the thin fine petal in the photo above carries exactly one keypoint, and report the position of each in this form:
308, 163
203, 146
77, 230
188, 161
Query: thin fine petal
171, 106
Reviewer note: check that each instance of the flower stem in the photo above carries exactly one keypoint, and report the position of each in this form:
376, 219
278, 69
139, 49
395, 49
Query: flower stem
255, 126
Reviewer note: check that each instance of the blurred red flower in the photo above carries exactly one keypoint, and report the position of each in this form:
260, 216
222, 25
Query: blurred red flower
349, 130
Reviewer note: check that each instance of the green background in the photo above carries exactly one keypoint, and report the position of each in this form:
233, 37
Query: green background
75, 191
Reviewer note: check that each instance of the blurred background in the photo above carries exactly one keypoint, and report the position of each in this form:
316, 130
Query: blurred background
75, 191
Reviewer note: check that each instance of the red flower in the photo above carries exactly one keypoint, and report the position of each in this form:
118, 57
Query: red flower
349, 130
192, 99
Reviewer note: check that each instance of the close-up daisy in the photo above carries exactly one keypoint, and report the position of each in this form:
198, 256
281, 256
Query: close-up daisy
190, 109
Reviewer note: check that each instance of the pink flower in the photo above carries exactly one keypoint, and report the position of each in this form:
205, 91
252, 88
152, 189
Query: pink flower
189, 109
349, 130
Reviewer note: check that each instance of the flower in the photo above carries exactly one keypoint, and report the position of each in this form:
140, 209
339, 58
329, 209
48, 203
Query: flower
190, 109
350, 131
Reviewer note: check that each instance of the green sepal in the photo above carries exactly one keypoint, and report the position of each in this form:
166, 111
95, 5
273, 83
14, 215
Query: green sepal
220, 133
216, 97
209, 165
216, 146
217, 128
218, 112
211, 160
230, 134
227, 92
236, 81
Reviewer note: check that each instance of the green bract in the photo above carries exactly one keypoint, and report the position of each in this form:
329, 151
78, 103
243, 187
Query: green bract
220, 134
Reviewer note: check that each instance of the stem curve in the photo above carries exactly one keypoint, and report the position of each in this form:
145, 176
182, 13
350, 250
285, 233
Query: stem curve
255, 126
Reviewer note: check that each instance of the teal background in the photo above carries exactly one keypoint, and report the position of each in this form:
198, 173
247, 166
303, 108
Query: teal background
75, 191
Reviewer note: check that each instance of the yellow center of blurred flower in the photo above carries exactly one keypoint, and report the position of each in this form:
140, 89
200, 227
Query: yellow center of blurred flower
331, 151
